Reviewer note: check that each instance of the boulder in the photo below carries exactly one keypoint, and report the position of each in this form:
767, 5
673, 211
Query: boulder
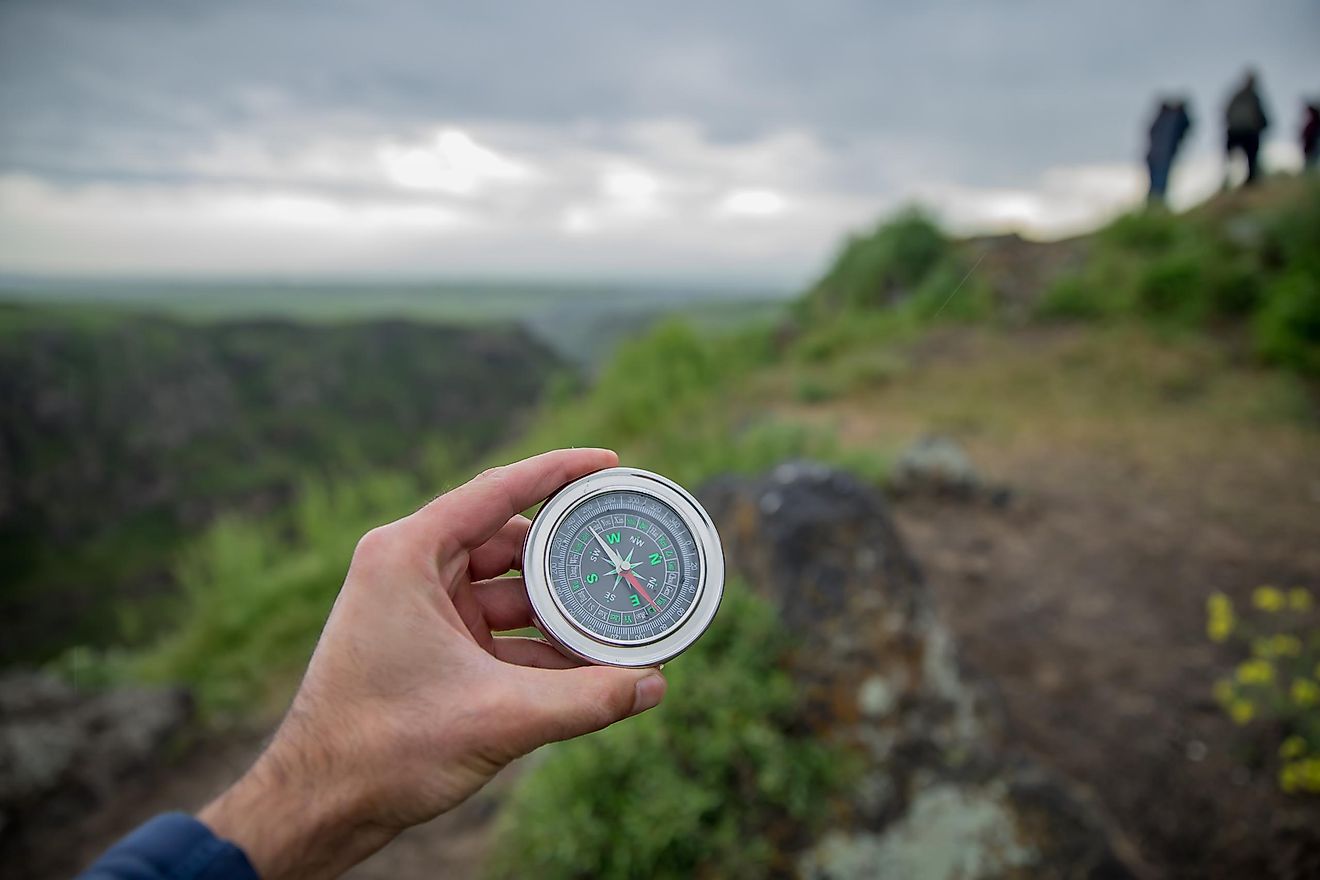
64, 750
935, 464
940, 791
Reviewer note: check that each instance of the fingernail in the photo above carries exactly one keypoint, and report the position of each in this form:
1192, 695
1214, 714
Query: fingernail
648, 693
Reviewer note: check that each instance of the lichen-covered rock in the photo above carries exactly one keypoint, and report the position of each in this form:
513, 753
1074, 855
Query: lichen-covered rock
940, 793
63, 750
935, 464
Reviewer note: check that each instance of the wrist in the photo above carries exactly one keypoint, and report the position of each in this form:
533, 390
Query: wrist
294, 816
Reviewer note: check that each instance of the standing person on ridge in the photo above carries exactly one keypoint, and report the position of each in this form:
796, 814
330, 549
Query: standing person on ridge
1245, 120
1166, 135
1311, 134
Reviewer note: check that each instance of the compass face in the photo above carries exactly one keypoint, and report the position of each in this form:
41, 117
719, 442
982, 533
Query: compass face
624, 567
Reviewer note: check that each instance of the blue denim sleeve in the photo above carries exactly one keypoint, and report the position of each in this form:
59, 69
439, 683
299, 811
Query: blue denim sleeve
172, 846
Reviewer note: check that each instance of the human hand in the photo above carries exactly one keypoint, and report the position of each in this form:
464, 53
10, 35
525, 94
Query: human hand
410, 703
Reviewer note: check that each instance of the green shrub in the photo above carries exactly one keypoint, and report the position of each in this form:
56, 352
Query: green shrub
695, 787
1074, 297
256, 593
870, 368
1287, 328
1234, 287
874, 270
814, 389
1143, 231
1172, 287
672, 363
1210, 267
1292, 233
952, 292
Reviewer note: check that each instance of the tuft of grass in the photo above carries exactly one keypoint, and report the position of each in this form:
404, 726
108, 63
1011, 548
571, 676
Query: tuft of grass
1286, 331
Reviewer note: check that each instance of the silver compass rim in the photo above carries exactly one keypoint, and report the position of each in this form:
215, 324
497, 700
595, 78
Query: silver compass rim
553, 620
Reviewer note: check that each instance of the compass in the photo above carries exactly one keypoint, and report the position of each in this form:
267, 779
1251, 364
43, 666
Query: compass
623, 567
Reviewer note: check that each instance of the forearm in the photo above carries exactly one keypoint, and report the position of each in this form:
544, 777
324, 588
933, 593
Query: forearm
294, 817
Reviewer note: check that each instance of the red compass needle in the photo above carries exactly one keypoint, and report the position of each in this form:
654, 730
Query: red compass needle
637, 585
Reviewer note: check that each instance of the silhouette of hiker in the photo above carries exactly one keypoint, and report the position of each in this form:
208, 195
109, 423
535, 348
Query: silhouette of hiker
1245, 120
1166, 134
1311, 134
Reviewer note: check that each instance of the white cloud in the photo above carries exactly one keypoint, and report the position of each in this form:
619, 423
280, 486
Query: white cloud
452, 162
205, 229
752, 203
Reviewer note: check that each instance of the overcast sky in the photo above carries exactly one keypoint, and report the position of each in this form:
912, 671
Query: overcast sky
731, 140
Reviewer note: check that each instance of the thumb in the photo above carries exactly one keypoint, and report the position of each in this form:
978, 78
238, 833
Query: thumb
559, 704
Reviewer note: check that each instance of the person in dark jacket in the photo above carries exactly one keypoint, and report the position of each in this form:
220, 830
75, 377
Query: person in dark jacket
1311, 134
1166, 135
1245, 121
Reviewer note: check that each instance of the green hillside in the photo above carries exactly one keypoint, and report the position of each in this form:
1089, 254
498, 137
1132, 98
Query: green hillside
121, 435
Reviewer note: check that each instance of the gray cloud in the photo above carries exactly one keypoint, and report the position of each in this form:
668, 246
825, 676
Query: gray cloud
894, 99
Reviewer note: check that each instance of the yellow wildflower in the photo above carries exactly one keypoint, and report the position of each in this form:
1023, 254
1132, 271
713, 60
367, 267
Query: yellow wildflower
1303, 775
1269, 599
1286, 646
1290, 777
1219, 617
1224, 692
1305, 693
1242, 711
1292, 747
1256, 671
1262, 647
1299, 599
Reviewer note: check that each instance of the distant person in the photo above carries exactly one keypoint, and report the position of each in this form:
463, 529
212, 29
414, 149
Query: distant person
1245, 121
1166, 135
409, 704
1311, 134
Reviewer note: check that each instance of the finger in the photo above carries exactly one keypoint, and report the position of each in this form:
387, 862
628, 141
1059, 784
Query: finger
501, 553
504, 603
557, 704
471, 514
522, 651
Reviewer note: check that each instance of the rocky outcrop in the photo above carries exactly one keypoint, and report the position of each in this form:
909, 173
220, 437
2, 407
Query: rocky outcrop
940, 790
63, 750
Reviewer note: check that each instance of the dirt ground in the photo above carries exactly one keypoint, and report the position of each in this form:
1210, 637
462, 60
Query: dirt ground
1083, 600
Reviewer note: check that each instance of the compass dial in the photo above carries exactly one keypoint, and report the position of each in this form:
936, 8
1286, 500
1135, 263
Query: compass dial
624, 567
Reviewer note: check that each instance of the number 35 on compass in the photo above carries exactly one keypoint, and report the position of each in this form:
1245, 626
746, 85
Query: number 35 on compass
623, 567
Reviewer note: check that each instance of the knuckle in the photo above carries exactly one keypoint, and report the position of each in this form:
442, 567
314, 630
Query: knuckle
376, 545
